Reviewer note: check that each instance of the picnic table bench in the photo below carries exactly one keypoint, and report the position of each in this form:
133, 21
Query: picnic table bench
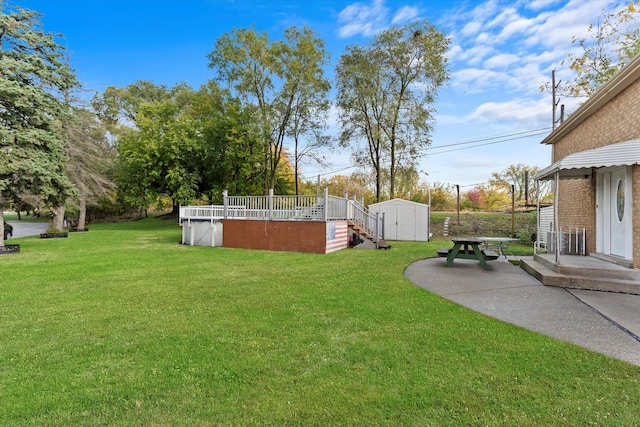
501, 244
468, 248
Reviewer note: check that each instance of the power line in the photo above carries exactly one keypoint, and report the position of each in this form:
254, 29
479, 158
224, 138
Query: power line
475, 185
327, 173
540, 130
487, 143
500, 138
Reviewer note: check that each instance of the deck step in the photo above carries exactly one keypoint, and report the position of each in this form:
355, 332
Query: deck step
612, 271
585, 280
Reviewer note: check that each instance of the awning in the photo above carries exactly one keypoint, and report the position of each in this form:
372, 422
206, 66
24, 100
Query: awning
579, 165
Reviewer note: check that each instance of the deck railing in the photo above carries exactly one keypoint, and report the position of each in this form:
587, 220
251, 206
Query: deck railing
285, 207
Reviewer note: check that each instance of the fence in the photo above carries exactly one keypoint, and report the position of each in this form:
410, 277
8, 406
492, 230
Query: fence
571, 242
545, 225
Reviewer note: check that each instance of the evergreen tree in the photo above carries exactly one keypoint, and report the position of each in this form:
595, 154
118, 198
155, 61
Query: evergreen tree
34, 76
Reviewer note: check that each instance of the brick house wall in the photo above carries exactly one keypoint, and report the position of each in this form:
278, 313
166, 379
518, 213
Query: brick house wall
615, 120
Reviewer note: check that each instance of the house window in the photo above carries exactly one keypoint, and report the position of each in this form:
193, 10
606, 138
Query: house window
620, 200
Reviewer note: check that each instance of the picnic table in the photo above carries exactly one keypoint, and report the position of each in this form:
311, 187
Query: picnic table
468, 248
499, 243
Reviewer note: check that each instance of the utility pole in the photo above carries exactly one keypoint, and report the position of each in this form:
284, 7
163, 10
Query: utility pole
555, 101
526, 187
554, 86
513, 210
458, 197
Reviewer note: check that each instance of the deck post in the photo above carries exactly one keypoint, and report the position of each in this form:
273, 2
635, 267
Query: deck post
346, 205
270, 204
326, 204
225, 204
354, 209
377, 230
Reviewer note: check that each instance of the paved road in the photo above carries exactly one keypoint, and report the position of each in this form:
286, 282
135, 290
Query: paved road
23, 229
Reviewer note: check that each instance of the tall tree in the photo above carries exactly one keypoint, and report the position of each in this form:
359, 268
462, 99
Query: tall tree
232, 153
359, 85
117, 107
164, 148
272, 76
129, 114
90, 161
386, 92
34, 77
310, 104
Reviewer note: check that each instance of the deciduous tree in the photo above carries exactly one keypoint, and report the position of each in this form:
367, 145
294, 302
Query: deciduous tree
442, 196
280, 78
386, 93
521, 177
90, 160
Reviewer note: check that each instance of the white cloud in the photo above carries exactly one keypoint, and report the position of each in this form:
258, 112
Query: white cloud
368, 19
501, 60
361, 18
405, 14
535, 113
557, 29
471, 29
541, 4
475, 80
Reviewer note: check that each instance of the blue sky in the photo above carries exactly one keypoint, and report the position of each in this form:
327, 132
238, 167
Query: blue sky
491, 115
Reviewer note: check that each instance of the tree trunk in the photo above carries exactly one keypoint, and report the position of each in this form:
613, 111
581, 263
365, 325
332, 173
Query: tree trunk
82, 210
58, 217
1, 224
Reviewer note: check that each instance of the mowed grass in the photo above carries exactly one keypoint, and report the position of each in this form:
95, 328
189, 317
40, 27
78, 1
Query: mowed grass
124, 326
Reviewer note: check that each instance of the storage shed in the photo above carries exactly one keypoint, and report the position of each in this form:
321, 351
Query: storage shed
404, 219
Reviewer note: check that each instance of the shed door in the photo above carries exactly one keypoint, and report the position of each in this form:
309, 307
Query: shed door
390, 223
405, 223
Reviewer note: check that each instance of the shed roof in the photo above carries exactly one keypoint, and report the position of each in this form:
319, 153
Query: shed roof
402, 201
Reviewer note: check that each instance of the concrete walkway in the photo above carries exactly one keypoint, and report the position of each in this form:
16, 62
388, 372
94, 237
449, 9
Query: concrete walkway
605, 322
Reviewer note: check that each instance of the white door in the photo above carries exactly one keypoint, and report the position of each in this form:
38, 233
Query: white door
390, 224
618, 212
405, 223
614, 212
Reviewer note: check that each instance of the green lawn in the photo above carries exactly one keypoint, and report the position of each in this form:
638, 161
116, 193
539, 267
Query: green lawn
124, 326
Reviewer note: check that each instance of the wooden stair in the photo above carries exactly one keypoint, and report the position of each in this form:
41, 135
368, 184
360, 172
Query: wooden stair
367, 236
